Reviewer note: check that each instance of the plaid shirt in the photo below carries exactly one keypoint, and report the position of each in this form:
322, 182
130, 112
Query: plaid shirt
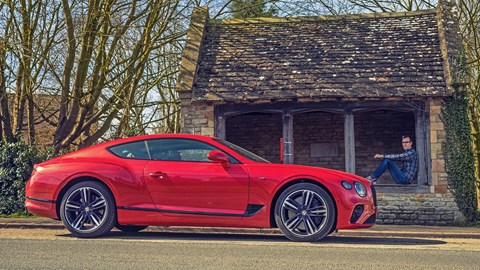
409, 160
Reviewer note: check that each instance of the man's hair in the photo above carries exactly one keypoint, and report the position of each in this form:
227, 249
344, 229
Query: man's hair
405, 137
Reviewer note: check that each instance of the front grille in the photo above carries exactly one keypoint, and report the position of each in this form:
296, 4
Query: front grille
374, 194
357, 212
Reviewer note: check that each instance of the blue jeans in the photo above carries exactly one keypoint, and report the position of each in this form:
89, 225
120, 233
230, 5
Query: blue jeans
395, 172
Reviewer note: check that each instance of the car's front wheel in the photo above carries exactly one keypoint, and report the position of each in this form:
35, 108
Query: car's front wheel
305, 212
88, 209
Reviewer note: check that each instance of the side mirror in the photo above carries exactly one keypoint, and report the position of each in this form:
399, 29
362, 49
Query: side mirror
219, 156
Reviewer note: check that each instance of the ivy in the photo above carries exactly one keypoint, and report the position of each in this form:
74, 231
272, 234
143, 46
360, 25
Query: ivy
459, 158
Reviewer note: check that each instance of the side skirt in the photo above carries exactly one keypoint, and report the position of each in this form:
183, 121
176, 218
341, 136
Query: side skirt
252, 209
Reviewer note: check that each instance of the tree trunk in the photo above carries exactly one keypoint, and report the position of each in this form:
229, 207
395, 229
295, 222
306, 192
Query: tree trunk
475, 126
6, 126
31, 120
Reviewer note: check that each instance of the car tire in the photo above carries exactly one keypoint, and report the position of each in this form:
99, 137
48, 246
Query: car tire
305, 212
88, 209
130, 228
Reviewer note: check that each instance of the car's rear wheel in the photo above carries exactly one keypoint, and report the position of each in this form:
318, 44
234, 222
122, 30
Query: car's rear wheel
130, 228
305, 212
88, 209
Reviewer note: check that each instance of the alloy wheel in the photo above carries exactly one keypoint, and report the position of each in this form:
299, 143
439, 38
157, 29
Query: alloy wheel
85, 209
304, 213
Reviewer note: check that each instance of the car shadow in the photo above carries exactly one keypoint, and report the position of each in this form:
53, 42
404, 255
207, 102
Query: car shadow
334, 239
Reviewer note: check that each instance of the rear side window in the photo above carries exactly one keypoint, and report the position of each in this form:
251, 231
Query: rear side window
181, 150
134, 150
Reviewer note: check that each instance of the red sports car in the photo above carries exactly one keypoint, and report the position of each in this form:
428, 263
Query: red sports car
192, 180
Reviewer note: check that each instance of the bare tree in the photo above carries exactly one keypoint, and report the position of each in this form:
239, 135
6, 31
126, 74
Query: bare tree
252, 8
92, 58
106, 67
116, 42
29, 32
393, 5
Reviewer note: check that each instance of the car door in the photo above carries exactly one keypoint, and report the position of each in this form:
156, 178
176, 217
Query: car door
182, 180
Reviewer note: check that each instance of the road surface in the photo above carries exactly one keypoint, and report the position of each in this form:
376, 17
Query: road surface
57, 249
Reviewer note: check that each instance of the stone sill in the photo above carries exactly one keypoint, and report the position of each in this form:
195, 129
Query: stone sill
394, 188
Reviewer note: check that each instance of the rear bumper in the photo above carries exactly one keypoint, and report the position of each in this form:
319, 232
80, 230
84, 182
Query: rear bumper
39, 192
41, 207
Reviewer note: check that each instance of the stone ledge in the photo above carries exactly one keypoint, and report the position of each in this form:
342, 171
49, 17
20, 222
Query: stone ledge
392, 188
418, 209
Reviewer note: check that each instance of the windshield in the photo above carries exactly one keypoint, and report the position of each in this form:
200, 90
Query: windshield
243, 152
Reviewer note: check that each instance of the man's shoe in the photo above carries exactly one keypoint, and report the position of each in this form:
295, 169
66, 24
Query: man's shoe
371, 179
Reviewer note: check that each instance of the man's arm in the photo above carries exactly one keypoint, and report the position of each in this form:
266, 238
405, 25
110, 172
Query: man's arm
408, 155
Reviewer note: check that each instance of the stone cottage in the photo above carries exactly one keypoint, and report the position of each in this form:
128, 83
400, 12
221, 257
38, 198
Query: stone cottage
330, 91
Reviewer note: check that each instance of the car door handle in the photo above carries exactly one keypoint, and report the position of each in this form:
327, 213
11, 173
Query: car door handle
159, 175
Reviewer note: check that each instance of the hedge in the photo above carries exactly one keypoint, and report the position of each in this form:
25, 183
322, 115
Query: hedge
16, 165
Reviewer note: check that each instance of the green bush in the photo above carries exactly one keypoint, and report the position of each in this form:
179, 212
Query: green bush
16, 165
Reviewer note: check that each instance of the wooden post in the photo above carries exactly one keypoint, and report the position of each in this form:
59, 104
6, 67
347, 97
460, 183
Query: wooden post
220, 126
421, 147
349, 135
287, 119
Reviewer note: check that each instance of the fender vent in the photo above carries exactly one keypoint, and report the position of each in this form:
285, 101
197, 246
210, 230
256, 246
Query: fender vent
253, 209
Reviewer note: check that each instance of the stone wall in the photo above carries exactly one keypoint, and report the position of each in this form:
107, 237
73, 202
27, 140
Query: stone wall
437, 139
418, 209
196, 118
323, 131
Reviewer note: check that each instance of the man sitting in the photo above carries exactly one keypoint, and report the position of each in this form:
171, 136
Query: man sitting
409, 160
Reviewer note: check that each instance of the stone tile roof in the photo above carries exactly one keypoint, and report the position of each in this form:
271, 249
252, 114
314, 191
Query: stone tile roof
362, 56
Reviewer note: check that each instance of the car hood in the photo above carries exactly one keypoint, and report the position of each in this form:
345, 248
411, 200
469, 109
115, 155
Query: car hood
292, 170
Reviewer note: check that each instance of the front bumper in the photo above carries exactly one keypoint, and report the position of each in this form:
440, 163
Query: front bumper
358, 212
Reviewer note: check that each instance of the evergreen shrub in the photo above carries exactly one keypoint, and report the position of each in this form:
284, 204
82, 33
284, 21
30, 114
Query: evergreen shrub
16, 165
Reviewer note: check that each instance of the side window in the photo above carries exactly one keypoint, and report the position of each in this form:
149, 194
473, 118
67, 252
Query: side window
181, 150
134, 150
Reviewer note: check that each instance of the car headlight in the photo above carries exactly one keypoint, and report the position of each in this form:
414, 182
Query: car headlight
360, 189
346, 185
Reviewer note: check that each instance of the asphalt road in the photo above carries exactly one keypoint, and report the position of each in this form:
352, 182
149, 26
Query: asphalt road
56, 249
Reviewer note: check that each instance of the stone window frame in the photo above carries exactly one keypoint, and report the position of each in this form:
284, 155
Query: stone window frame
348, 108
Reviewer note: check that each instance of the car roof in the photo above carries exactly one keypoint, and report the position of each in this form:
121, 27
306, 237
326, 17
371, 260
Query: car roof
155, 136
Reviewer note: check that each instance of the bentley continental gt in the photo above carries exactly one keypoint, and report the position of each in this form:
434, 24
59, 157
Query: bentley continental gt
193, 180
